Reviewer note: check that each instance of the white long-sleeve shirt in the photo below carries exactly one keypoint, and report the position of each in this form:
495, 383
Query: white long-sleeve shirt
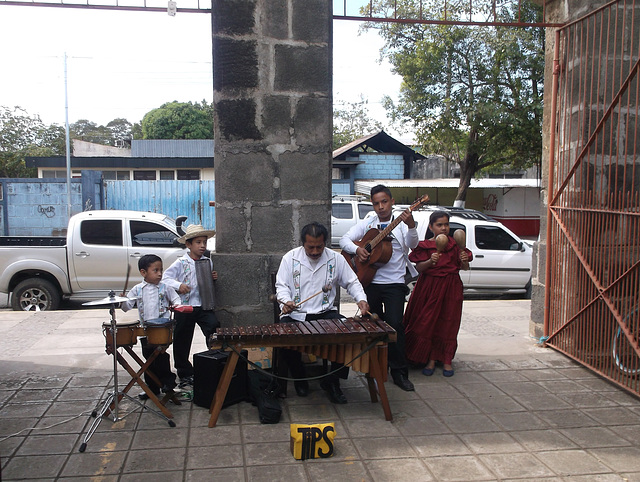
402, 240
153, 301
183, 270
298, 278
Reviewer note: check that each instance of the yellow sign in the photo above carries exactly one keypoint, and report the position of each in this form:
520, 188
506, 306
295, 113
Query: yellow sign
312, 441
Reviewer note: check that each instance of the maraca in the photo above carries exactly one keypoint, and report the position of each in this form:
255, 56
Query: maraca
441, 242
461, 238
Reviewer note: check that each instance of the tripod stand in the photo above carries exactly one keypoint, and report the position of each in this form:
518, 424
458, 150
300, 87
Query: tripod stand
111, 404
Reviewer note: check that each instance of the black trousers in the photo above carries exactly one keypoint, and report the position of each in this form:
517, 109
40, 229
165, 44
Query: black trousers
183, 336
387, 301
160, 367
291, 360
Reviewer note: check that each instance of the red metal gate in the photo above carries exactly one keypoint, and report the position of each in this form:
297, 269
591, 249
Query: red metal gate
592, 294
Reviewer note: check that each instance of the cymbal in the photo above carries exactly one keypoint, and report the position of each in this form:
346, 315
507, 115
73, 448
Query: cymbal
109, 300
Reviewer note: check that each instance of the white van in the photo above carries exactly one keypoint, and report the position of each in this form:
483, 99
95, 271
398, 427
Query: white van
346, 211
501, 260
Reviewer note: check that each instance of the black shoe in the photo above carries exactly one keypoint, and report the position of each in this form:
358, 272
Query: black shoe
143, 396
168, 388
401, 380
333, 392
302, 388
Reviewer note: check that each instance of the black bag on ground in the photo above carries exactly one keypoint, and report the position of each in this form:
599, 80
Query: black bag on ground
262, 391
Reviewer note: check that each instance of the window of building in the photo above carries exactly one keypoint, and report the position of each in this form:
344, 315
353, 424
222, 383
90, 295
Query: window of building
101, 231
59, 174
148, 234
188, 174
167, 175
144, 175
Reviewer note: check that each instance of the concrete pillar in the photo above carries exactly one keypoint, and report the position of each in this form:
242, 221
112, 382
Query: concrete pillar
272, 77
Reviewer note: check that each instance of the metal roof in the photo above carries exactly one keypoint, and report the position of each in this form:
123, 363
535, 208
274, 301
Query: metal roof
378, 141
172, 148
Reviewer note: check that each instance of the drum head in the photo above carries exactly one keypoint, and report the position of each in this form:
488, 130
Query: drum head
121, 324
158, 322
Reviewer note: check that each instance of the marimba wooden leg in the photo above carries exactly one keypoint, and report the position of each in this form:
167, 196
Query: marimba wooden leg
376, 371
223, 386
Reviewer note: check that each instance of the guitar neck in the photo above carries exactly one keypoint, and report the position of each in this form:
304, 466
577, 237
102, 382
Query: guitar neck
384, 233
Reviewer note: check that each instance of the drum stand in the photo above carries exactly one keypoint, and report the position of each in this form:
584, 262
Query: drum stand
111, 404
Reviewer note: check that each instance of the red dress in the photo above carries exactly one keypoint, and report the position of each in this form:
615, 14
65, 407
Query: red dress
433, 314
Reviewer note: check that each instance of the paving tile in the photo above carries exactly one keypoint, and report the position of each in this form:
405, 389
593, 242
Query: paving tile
414, 426
24, 410
107, 441
497, 404
164, 476
8, 447
35, 395
613, 416
541, 401
439, 446
155, 460
628, 432
94, 464
623, 398
594, 437
284, 473
405, 469
541, 440
457, 406
504, 376
231, 474
515, 465
45, 382
325, 412
478, 389
529, 363
279, 432
228, 416
488, 365
518, 421
83, 393
463, 468
470, 423
383, 447
272, 453
430, 392
544, 374
161, 438
342, 471
410, 408
48, 444
17, 426
33, 466
370, 428
519, 388
90, 380
208, 437
620, 459
573, 462
491, 443
567, 418
208, 458
587, 399
563, 386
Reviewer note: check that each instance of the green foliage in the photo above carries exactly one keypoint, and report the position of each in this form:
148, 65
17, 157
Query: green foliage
22, 135
352, 122
179, 120
473, 94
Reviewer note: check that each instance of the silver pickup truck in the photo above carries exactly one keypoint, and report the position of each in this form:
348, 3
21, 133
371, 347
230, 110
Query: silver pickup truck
38, 271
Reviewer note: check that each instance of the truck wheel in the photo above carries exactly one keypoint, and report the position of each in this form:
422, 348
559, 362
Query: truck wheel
35, 294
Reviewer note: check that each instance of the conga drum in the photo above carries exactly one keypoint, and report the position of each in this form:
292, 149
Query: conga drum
159, 331
125, 333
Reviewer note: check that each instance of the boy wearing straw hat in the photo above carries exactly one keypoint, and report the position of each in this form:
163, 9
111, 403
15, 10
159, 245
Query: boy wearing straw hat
189, 278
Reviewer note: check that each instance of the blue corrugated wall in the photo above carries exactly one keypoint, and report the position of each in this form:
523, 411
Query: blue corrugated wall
173, 198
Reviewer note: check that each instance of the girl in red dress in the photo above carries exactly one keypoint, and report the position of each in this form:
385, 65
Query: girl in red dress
433, 314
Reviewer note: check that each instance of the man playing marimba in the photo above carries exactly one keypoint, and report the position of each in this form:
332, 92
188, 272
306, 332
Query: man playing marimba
305, 288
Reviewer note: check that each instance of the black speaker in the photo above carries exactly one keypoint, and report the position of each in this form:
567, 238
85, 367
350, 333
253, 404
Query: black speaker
207, 371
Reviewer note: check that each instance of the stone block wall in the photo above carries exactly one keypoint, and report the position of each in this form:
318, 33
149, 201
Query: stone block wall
380, 166
272, 128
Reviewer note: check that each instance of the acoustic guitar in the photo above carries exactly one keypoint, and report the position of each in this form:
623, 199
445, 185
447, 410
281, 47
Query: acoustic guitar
378, 244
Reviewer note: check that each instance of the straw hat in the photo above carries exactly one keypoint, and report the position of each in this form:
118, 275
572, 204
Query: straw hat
195, 230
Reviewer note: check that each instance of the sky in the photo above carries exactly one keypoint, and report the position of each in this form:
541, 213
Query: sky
123, 64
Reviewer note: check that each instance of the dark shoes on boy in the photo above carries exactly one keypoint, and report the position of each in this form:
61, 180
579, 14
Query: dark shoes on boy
401, 380
332, 387
302, 388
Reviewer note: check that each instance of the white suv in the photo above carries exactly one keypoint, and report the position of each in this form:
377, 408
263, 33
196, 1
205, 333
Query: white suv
501, 260
346, 211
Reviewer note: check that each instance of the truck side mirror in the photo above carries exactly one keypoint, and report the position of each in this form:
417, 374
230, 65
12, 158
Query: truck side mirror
179, 222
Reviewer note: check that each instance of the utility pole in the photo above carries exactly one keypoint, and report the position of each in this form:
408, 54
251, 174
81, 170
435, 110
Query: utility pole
66, 131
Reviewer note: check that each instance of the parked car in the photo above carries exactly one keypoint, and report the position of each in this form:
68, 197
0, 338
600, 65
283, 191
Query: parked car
38, 271
347, 211
501, 260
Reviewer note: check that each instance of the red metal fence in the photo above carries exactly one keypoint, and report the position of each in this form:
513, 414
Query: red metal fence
592, 294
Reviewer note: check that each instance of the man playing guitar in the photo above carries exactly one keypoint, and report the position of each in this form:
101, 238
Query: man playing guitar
387, 290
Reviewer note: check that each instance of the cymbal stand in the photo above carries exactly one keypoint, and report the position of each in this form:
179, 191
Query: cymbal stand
111, 403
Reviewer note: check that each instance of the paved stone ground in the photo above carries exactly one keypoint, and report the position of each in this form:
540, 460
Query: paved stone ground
513, 411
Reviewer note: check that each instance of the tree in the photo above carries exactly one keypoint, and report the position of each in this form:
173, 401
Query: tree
89, 131
473, 94
22, 135
179, 120
120, 129
351, 122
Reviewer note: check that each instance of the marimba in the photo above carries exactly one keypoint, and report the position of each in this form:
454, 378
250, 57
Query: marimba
360, 343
